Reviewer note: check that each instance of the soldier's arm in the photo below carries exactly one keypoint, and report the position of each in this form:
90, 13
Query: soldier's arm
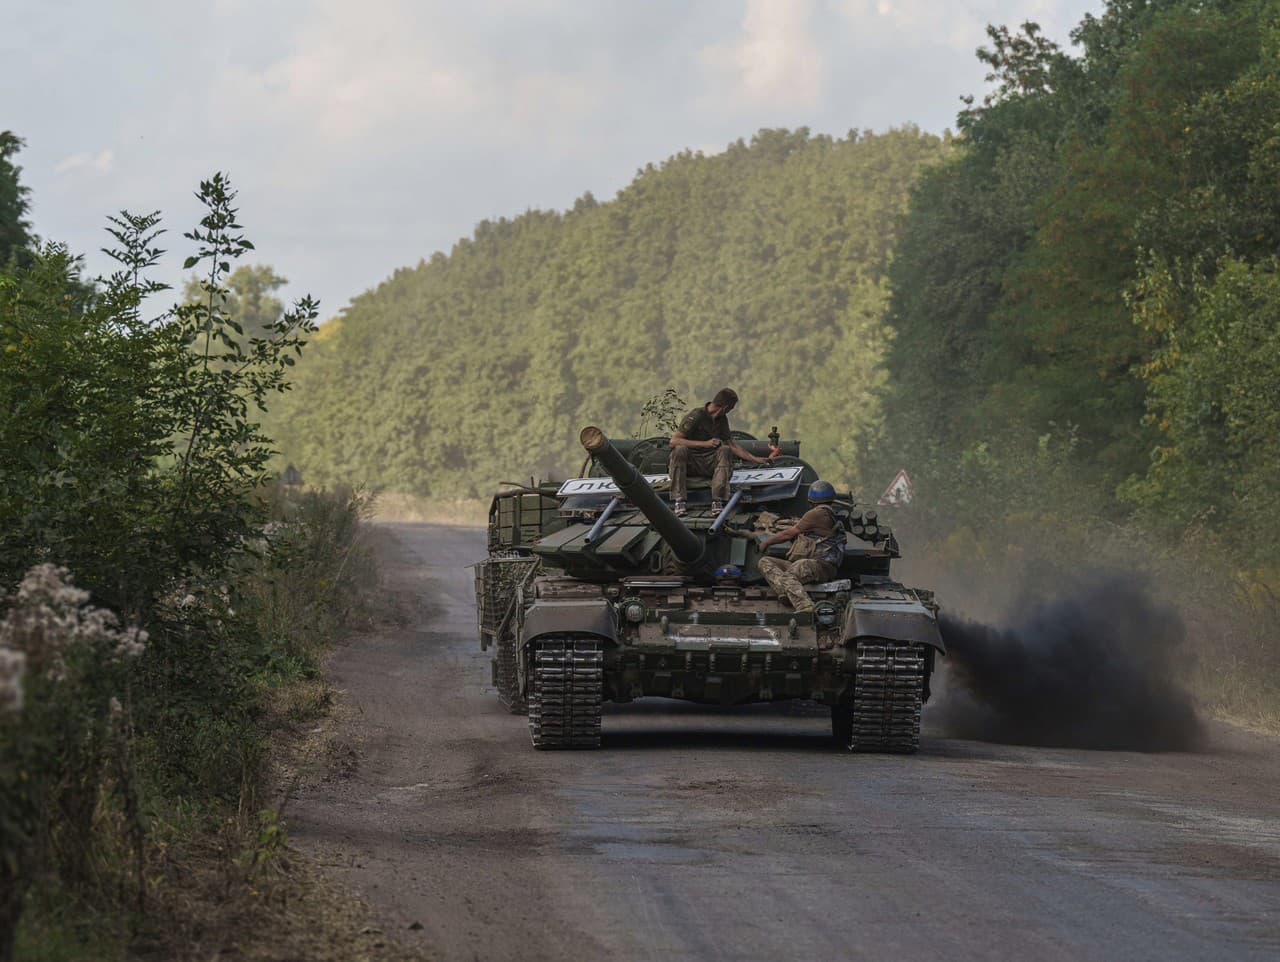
780, 537
678, 440
746, 455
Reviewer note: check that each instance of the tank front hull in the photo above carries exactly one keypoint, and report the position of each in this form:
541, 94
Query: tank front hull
726, 675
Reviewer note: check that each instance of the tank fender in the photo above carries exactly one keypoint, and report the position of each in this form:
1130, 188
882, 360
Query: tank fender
907, 621
588, 616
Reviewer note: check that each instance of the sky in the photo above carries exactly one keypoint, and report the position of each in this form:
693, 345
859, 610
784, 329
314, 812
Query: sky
365, 136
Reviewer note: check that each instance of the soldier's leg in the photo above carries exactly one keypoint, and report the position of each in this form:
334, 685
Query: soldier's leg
781, 577
771, 569
699, 463
678, 467
720, 476
812, 571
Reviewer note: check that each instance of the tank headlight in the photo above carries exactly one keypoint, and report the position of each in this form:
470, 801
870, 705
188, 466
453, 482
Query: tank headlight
634, 612
613, 591
825, 614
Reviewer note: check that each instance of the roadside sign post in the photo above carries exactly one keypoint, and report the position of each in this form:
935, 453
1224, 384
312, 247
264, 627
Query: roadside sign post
899, 491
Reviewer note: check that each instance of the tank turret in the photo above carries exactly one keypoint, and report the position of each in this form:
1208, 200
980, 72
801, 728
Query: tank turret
685, 545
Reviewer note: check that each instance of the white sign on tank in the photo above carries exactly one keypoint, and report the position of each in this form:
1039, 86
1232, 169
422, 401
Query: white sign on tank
742, 478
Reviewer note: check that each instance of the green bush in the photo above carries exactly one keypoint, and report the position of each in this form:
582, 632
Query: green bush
134, 462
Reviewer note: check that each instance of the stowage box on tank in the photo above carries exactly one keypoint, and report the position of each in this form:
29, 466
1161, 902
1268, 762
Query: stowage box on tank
593, 591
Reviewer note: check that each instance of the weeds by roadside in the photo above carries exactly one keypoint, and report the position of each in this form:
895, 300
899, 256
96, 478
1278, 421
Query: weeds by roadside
164, 612
184, 876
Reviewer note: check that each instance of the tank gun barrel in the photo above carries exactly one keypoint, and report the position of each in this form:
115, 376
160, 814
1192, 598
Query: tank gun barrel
686, 545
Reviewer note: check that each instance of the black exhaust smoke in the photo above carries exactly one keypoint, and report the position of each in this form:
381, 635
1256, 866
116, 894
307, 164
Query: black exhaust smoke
1094, 669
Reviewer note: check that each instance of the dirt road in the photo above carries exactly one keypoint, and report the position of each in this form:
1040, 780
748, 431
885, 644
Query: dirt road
698, 834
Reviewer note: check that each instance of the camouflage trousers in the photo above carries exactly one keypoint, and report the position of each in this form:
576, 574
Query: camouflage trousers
716, 464
788, 578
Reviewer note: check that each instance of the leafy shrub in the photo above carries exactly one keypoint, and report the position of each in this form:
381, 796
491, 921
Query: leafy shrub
134, 459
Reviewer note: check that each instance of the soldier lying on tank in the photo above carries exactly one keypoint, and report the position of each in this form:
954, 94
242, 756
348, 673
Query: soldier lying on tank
704, 447
815, 555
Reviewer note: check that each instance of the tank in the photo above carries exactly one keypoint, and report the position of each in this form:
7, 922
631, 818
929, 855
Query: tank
593, 591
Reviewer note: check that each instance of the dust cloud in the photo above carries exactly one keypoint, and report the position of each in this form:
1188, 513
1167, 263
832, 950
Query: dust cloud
1094, 667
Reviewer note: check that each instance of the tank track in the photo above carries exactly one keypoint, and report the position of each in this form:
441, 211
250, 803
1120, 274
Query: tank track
506, 676
502, 576
888, 694
566, 689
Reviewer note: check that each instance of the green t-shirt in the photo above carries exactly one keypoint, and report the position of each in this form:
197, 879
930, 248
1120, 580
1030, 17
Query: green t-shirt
818, 523
699, 425
820, 526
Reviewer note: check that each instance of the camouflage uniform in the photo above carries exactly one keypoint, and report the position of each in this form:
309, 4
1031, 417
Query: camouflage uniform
788, 578
713, 463
812, 559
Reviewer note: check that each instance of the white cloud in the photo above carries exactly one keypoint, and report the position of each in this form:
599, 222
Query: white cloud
397, 70
776, 61
99, 163
350, 71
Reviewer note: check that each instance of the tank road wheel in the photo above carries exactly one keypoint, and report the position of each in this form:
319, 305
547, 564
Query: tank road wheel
506, 676
887, 695
566, 687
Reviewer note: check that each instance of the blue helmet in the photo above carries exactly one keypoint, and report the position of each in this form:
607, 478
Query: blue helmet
822, 492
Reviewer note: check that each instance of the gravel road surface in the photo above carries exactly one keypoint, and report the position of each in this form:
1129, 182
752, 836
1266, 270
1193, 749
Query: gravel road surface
704, 834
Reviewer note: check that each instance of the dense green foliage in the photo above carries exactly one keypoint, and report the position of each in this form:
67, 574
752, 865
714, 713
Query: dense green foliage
132, 440
1098, 265
162, 597
761, 268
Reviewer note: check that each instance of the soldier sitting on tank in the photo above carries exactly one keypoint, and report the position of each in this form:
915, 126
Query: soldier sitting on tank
815, 555
704, 447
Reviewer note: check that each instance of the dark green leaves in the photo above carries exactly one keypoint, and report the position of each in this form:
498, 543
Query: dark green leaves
1060, 275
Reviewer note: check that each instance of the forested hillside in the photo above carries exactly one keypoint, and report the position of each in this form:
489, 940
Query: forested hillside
1073, 304
762, 268
1089, 289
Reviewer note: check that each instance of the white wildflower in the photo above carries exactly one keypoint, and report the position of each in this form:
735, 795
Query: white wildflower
132, 643
115, 707
51, 583
13, 665
50, 615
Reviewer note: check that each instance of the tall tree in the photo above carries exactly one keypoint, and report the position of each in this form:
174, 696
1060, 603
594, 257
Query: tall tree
15, 230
